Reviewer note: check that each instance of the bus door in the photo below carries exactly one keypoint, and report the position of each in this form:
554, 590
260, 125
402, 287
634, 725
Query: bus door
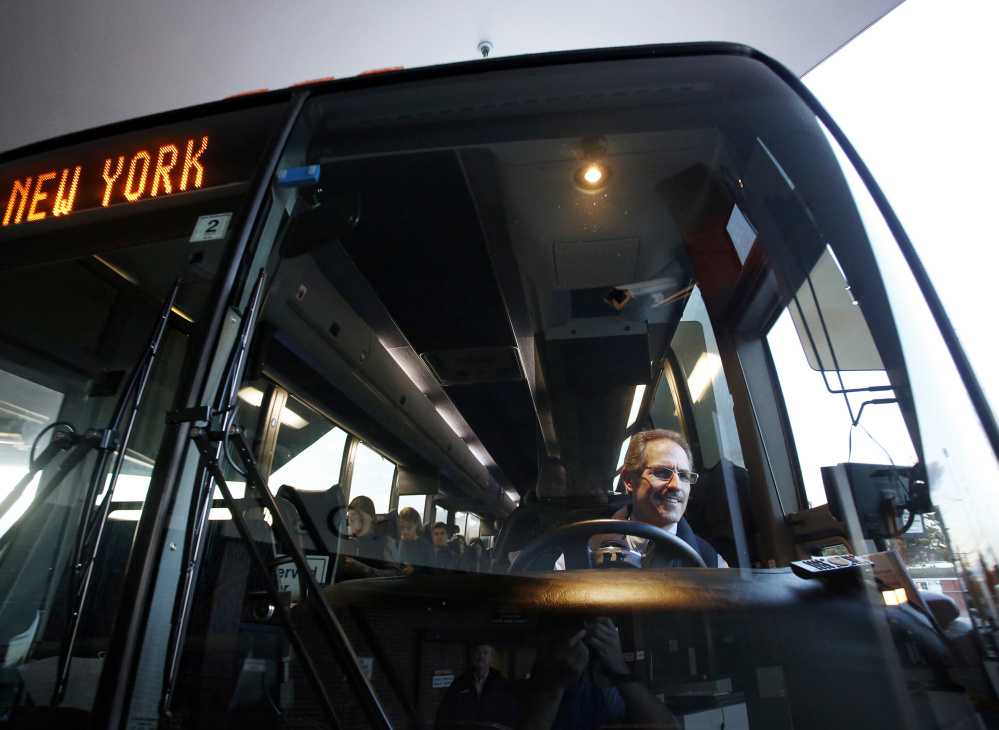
109, 252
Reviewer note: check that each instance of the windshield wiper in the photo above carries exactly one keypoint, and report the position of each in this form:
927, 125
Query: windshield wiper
225, 406
108, 441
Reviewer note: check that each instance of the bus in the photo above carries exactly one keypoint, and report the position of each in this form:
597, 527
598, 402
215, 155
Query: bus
570, 390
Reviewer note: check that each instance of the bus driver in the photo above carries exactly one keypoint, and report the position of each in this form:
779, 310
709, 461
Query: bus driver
657, 474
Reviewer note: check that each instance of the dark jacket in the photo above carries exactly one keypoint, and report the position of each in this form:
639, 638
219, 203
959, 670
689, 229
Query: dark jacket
419, 554
684, 532
462, 708
447, 559
702, 546
469, 562
372, 556
585, 705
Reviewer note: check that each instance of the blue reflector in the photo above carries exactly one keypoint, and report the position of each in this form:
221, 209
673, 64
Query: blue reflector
298, 177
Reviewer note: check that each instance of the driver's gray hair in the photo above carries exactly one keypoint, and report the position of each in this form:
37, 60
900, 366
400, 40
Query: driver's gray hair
634, 457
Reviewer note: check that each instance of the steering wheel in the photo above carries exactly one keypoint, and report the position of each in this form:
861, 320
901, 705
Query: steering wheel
572, 541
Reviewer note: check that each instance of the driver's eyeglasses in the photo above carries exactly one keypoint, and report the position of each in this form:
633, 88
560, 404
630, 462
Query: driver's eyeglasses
664, 474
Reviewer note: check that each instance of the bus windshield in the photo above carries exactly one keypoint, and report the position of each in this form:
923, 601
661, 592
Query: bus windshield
580, 391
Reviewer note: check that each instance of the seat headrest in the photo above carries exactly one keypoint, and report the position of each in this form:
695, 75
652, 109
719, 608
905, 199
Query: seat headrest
323, 514
253, 513
387, 524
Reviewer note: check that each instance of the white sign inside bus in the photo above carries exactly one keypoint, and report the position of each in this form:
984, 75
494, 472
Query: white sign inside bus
146, 173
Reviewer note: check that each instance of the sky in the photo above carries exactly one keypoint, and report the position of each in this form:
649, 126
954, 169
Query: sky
915, 94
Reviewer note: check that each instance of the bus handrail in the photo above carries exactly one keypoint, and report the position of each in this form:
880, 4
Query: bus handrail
206, 442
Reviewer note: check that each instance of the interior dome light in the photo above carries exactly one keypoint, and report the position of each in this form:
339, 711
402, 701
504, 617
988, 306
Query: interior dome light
592, 176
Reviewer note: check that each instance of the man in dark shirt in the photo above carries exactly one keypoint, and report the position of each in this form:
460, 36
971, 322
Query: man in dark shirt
479, 698
447, 558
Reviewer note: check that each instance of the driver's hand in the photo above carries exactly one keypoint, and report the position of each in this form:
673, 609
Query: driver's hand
604, 641
560, 661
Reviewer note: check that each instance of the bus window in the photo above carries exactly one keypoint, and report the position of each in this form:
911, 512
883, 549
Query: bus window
878, 436
373, 476
624, 444
710, 401
416, 501
471, 527
27, 408
468, 525
665, 411
310, 449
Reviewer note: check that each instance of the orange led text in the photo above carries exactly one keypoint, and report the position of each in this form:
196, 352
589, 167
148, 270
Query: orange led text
146, 177
42, 198
146, 173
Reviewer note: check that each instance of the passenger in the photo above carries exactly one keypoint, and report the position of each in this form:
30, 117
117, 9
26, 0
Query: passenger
479, 698
657, 474
447, 558
468, 561
476, 556
416, 554
370, 553
459, 546
557, 697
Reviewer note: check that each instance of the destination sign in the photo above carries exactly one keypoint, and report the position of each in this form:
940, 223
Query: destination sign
174, 167
124, 169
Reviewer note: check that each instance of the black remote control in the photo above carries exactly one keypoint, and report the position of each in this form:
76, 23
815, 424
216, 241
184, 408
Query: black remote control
832, 566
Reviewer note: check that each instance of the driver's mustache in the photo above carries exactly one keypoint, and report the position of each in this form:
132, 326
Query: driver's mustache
671, 493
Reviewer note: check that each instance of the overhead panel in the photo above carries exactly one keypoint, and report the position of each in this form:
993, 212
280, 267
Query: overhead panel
586, 264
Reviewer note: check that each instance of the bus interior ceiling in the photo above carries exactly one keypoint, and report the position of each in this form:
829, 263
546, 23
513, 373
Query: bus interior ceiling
443, 282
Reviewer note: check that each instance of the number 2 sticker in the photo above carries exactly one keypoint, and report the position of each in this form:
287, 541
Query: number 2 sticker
210, 227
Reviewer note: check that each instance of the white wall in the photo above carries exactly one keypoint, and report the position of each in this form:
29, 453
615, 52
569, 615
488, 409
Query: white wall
75, 64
